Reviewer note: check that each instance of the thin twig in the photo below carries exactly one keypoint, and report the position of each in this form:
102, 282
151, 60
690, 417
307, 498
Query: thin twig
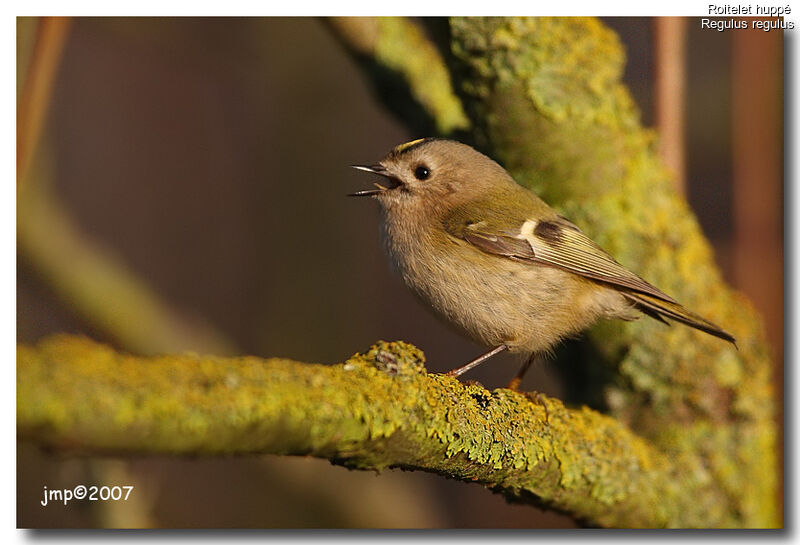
34, 99
670, 91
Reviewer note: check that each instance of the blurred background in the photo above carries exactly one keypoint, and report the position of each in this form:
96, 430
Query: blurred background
206, 160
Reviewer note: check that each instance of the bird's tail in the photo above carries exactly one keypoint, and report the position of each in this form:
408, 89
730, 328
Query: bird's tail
660, 309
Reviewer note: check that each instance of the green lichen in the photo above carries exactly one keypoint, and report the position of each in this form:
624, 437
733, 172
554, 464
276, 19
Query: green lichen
546, 99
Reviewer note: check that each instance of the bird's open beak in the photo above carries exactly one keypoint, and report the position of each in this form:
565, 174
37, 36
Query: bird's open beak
380, 170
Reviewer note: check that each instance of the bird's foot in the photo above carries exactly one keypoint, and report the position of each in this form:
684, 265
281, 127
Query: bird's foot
539, 399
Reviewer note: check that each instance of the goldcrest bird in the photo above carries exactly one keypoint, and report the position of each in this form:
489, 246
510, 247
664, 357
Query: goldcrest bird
493, 259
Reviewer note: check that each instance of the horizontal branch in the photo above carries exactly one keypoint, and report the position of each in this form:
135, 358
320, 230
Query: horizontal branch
376, 410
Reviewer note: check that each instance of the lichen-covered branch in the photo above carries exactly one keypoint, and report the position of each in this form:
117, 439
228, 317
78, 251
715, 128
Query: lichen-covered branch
408, 71
376, 410
546, 99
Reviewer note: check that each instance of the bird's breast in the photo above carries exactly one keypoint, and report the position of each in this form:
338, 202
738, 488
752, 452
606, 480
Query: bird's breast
493, 299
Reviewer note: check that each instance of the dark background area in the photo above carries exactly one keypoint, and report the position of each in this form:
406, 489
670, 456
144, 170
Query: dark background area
210, 157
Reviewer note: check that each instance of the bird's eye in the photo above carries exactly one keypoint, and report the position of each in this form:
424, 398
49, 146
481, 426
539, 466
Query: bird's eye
422, 172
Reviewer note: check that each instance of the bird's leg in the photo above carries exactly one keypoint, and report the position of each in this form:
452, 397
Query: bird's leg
477, 361
515, 382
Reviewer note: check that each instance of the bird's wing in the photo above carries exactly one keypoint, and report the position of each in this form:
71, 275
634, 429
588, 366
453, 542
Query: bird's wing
555, 241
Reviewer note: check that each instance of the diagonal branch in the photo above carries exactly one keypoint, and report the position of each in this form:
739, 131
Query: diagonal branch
374, 411
94, 283
546, 98
409, 73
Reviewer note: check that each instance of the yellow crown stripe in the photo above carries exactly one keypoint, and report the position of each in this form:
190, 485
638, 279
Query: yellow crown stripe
402, 147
